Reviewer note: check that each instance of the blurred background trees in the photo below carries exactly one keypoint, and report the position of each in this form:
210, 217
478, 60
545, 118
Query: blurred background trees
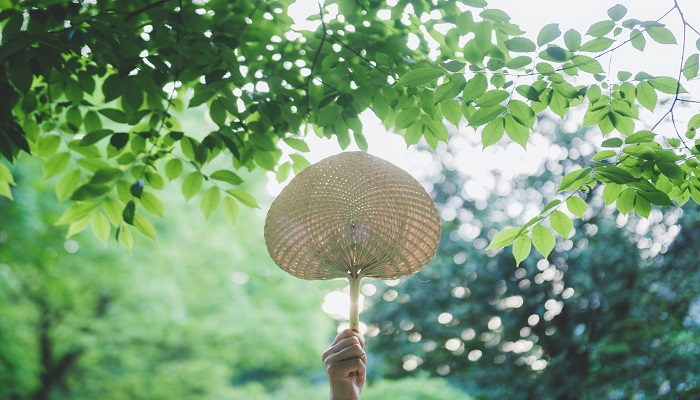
202, 314
613, 314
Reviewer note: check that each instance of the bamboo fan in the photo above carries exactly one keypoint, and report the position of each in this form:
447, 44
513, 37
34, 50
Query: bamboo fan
352, 215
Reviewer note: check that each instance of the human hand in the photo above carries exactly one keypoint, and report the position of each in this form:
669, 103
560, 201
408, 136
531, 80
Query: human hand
346, 362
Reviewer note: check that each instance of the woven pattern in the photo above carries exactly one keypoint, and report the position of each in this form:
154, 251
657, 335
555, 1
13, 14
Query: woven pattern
352, 215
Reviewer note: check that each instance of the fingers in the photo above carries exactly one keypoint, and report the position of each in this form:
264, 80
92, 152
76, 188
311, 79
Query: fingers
347, 333
347, 367
348, 353
345, 344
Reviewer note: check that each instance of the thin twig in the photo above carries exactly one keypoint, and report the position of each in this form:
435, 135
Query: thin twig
370, 63
313, 65
678, 80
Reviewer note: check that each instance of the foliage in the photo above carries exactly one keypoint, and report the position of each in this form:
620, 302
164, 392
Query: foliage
93, 89
197, 315
612, 314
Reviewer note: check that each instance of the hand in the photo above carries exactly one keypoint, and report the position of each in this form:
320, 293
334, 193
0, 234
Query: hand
346, 362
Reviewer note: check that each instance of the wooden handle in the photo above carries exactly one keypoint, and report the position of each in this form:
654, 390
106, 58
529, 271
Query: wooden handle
354, 308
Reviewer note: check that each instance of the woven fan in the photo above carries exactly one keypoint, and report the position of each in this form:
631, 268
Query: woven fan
352, 215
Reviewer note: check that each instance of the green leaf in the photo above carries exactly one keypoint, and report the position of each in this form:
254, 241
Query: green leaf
360, 140
671, 170
519, 62
612, 142
48, 145
155, 180
152, 204
638, 40
420, 76
666, 84
625, 202
495, 15
225, 175
125, 237
690, 68
517, 132
407, 117
522, 113
192, 184
520, 45
217, 112
587, 64
76, 213
413, 133
551, 205
600, 28
283, 172
597, 44
555, 53
55, 164
77, 227
5, 190
92, 122
611, 192
475, 87
576, 206
485, 115
656, 197
244, 198
95, 136
646, 95
492, 132
617, 12
593, 93
451, 111
210, 201
614, 174
90, 191
492, 98
101, 227
572, 40
624, 75
602, 155
173, 168
299, 163
561, 223
136, 188
450, 89
642, 136
129, 212
503, 238
231, 209
521, 249
642, 206
297, 144
329, 114
119, 140
115, 115
145, 226
6, 175
543, 239
113, 209
661, 35
574, 179
547, 34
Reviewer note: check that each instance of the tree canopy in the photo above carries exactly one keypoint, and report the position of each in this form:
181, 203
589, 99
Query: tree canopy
96, 88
